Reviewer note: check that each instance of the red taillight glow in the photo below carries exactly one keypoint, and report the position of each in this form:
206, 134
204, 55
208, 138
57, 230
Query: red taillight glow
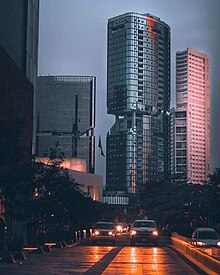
155, 233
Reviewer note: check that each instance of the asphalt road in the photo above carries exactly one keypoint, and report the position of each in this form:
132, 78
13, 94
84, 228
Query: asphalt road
103, 259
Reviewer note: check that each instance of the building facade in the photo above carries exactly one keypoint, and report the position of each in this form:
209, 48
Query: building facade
65, 112
19, 24
190, 121
18, 71
89, 184
138, 95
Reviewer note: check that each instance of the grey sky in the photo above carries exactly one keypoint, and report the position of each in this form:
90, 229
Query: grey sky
73, 36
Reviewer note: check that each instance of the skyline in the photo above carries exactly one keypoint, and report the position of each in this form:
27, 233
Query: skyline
73, 43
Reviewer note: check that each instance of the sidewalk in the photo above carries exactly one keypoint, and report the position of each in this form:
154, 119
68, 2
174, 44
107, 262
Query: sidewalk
68, 260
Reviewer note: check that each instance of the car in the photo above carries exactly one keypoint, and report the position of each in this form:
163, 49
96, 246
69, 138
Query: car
104, 232
121, 228
144, 231
205, 236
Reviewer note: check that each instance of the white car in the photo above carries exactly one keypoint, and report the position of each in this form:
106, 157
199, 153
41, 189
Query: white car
204, 236
104, 232
144, 231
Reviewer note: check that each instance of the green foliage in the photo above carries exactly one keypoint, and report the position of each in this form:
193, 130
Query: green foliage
213, 195
182, 204
58, 199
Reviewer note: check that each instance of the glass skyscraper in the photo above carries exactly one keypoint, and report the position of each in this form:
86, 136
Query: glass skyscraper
65, 112
138, 94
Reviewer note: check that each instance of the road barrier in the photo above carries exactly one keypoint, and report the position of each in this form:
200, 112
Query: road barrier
204, 261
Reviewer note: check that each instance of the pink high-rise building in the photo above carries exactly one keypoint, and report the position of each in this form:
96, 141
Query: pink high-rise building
190, 121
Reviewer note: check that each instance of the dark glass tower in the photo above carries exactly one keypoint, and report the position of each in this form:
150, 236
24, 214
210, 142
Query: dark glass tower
18, 72
138, 87
65, 111
19, 34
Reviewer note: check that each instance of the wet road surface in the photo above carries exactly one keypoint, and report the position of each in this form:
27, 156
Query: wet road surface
102, 259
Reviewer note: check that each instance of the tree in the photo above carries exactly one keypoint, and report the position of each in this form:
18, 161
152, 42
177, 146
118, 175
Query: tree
213, 195
181, 206
58, 199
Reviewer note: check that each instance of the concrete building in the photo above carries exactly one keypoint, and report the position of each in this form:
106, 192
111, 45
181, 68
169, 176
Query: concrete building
90, 184
138, 95
65, 111
190, 121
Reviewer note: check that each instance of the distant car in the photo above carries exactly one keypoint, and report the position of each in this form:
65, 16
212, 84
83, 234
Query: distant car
104, 232
144, 231
204, 236
121, 228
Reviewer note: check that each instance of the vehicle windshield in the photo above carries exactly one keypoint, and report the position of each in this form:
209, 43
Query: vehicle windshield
207, 235
104, 226
144, 224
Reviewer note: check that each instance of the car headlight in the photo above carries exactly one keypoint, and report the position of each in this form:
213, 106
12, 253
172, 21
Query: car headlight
218, 244
119, 228
155, 233
133, 232
110, 233
200, 243
96, 232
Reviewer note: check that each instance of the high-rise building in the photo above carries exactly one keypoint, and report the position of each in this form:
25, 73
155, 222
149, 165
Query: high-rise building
18, 72
65, 112
190, 121
138, 94
19, 22
19, 34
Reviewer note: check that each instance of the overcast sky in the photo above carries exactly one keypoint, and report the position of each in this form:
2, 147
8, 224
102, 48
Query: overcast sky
73, 41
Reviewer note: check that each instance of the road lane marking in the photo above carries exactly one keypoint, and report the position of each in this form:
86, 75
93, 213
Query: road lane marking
101, 265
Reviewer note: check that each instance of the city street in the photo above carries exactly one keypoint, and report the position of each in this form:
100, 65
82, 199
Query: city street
109, 137
103, 259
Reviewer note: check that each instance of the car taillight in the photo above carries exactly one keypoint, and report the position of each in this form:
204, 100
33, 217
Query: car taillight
133, 232
155, 233
96, 233
110, 233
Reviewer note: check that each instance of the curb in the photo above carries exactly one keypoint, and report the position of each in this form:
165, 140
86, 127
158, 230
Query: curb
12, 256
205, 262
193, 265
7, 257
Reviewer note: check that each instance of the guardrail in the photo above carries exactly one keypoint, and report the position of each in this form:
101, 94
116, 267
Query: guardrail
199, 257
